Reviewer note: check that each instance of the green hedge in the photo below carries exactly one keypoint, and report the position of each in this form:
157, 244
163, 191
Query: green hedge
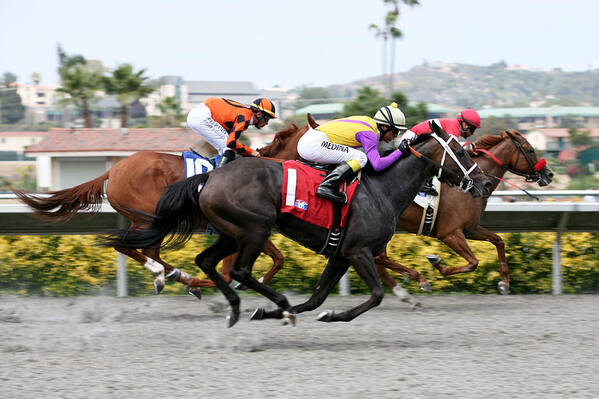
72, 265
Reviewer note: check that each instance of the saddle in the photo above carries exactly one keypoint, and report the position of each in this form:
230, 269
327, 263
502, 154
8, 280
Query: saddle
299, 199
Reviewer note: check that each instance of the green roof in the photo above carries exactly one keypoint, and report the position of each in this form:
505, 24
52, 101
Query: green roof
539, 112
331, 108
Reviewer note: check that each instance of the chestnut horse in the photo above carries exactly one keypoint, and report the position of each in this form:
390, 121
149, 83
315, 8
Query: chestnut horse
135, 183
242, 201
459, 214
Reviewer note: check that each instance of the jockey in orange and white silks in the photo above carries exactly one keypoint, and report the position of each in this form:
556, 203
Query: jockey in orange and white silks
221, 121
337, 142
464, 126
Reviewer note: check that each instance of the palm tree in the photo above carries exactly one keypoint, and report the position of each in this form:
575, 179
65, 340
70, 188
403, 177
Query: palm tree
128, 87
390, 31
171, 109
80, 83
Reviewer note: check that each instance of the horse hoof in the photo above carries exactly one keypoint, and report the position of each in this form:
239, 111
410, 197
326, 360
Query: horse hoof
158, 286
240, 286
196, 291
258, 314
416, 305
426, 287
434, 259
504, 289
327, 315
289, 318
231, 318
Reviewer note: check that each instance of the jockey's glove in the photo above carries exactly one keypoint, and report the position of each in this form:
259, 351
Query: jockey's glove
403, 147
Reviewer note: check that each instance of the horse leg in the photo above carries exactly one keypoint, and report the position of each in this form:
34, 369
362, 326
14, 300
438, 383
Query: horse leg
277, 261
207, 261
227, 265
363, 263
172, 273
248, 251
456, 241
396, 288
153, 266
329, 278
384, 261
277, 258
482, 234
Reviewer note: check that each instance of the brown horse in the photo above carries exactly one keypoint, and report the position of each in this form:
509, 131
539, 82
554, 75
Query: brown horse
459, 214
135, 183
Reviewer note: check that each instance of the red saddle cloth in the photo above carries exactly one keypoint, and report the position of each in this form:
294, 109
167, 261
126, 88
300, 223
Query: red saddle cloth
300, 182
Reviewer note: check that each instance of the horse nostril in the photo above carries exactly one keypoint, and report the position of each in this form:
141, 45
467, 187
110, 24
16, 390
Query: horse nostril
550, 174
488, 187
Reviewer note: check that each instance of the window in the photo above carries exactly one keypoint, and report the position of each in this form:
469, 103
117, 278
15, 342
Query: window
41, 94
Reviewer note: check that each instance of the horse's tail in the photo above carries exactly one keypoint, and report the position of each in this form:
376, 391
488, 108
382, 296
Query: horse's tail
64, 204
177, 214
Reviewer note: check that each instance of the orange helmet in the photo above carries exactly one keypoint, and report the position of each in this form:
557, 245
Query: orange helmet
264, 105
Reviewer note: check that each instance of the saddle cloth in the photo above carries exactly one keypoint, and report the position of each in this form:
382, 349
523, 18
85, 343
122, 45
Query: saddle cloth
300, 182
430, 203
196, 164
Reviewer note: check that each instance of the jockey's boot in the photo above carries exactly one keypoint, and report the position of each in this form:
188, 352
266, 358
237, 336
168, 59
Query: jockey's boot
428, 187
329, 187
228, 156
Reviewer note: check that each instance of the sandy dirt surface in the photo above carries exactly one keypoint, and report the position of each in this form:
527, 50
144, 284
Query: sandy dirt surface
171, 347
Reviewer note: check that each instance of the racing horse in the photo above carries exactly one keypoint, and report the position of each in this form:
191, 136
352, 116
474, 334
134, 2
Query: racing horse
134, 183
242, 201
458, 215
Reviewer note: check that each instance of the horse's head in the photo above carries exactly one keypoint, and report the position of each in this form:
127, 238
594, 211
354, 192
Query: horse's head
284, 144
524, 160
453, 163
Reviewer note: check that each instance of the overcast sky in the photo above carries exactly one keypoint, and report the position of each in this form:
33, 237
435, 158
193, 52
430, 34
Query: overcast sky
292, 43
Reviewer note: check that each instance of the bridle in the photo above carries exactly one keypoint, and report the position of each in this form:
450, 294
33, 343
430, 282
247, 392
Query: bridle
466, 183
535, 168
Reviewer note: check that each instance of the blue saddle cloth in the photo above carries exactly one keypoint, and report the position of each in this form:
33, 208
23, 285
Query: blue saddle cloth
196, 164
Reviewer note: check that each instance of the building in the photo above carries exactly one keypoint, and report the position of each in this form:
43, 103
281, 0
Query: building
68, 157
554, 140
546, 117
39, 100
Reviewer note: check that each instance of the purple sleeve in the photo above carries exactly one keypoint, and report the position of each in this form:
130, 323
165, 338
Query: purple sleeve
370, 141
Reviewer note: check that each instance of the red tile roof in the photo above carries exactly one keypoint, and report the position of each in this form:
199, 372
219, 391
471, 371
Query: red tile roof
80, 140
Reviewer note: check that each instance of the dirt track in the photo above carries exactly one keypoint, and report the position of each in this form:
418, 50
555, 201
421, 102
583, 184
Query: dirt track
458, 346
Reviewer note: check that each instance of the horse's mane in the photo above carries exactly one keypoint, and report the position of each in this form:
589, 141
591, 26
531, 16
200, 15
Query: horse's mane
287, 131
487, 141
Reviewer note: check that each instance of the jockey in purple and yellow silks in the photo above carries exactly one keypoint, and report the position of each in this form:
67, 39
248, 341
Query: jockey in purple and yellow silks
336, 142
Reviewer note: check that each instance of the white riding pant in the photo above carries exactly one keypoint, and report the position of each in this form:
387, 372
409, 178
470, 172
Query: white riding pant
200, 120
315, 146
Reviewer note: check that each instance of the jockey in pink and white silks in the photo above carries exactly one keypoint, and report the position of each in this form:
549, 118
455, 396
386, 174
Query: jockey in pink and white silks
464, 126
337, 142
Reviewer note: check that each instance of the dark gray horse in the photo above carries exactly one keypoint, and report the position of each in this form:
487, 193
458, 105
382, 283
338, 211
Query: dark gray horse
242, 201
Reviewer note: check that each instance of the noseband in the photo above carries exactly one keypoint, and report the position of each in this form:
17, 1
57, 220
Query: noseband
466, 183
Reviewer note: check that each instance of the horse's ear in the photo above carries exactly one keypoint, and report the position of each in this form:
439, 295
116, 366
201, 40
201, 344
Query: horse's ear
311, 121
503, 134
511, 133
435, 128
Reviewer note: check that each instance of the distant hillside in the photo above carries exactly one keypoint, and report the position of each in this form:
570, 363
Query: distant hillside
497, 85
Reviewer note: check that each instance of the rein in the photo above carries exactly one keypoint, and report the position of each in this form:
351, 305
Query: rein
466, 183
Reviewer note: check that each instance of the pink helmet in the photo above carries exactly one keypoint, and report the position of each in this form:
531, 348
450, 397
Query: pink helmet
470, 116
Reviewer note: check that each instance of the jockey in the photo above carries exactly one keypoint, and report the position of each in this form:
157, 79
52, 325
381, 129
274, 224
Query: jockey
336, 142
221, 121
464, 126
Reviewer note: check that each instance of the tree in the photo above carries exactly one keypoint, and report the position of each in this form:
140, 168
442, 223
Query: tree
11, 107
580, 137
170, 109
313, 95
493, 125
366, 103
389, 31
80, 82
36, 78
8, 78
128, 87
